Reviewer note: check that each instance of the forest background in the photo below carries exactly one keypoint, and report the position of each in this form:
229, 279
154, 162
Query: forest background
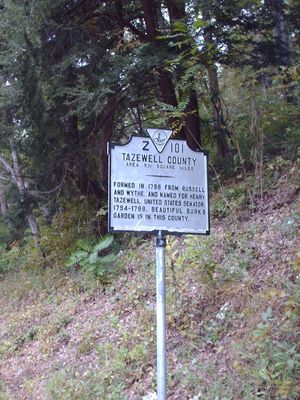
223, 75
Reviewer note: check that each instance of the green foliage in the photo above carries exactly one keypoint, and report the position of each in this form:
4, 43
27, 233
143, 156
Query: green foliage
67, 384
62, 64
13, 257
15, 217
118, 364
290, 226
198, 257
260, 111
3, 232
2, 392
233, 329
90, 256
231, 198
57, 90
4, 265
76, 219
271, 360
281, 130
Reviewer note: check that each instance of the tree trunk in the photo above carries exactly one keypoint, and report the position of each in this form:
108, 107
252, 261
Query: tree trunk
218, 115
3, 204
105, 134
282, 46
189, 126
32, 222
164, 80
176, 10
283, 51
30, 217
150, 20
16, 167
191, 120
168, 96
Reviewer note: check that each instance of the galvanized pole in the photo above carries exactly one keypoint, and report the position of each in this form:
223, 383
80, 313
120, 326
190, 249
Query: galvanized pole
161, 317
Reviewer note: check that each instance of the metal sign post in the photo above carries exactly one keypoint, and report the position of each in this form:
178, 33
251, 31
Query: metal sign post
161, 317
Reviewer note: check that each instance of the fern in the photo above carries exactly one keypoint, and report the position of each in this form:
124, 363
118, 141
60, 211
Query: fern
89, 257
105, 242
76, 258
179, 111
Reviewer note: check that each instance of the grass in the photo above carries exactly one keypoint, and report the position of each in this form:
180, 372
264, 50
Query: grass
233, 302
2, 393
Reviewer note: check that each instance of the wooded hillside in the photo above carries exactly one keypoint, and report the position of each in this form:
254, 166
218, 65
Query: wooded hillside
224, 76
75, 74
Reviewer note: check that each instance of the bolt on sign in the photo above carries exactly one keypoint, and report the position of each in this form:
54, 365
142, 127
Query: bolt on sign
158, 184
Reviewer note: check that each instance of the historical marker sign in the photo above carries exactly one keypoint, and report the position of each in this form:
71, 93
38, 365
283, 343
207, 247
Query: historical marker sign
157, 184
